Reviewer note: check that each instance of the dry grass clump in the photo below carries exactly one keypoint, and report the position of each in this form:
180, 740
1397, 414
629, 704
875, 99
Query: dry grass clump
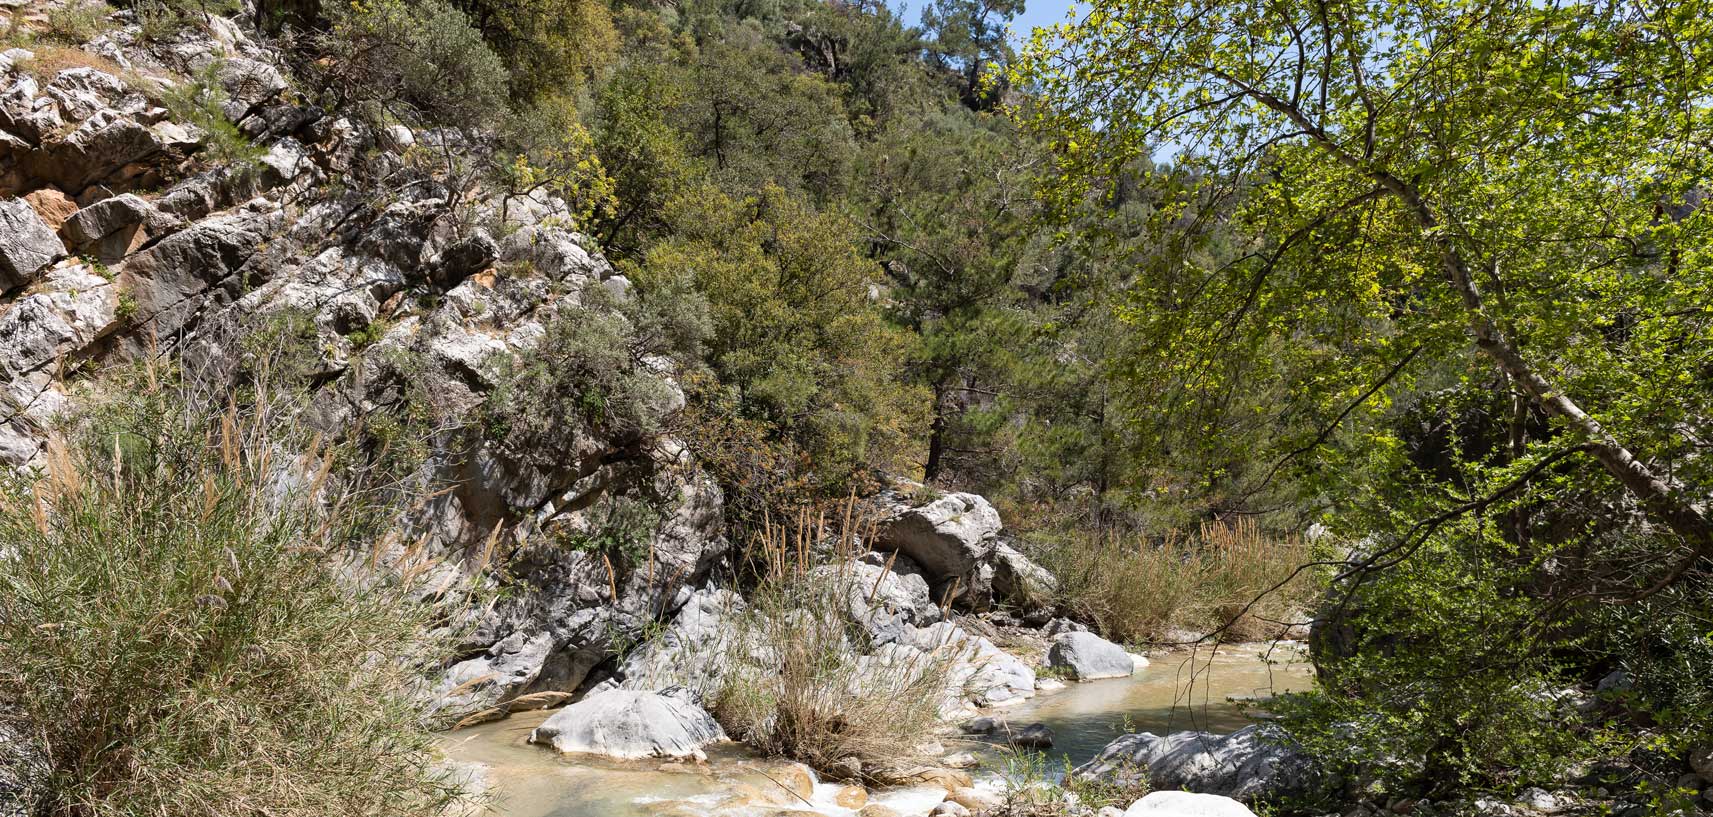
1139, 590
179, 636
810, 683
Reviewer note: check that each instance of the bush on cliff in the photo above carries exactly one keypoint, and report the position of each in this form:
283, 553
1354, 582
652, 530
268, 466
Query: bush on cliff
179, 635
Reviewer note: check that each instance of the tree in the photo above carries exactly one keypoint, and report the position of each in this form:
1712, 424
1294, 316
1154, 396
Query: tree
1420, 180
948, 212
1381, 214
548, 46
795, 334
969, 37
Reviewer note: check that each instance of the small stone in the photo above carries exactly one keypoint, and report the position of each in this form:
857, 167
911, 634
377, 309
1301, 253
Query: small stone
985, 725
847, 768
949, 809
877, 810
961, 760
1109, 811
1033, 736
851, 797
975, 799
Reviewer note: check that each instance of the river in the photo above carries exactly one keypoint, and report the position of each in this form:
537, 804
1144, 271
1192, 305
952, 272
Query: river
1177, 691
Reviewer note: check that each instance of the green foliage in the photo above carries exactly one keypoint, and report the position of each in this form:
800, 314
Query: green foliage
547, 47
970, 36
200, 101
1434, 266
638, 142
548, 149
795, 336
417, 60
76, 22
172, 597
590, 374
620, 527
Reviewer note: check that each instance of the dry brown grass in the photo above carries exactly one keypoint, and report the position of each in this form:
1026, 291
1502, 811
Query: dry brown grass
1141, 590
50, 60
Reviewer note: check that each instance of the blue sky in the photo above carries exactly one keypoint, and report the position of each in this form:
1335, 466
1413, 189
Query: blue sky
1035, 13
1039, 13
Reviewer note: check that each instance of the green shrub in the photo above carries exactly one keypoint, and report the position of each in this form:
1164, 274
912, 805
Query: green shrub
201, 101
417, 60
179, 632
548, 47
77, 21
587, 375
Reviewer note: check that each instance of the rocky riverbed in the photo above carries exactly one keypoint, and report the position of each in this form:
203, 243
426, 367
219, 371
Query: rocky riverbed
1204, 689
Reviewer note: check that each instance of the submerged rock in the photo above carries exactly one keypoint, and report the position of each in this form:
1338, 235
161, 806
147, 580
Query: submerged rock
1255, 761
625, 724
1088, 657
1186, 804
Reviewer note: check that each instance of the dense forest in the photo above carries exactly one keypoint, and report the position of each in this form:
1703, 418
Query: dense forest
1381, 325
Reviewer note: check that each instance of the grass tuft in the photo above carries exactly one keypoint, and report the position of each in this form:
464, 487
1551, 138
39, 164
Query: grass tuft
1139, 590
809, 682
180, 632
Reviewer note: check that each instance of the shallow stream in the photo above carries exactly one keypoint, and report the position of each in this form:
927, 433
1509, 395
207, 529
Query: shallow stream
1177, 691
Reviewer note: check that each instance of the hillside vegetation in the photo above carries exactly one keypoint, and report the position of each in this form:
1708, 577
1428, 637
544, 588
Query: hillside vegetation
374, 367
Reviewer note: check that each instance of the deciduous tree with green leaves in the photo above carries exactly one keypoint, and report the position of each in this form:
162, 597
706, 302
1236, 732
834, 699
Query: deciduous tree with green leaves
1419, 203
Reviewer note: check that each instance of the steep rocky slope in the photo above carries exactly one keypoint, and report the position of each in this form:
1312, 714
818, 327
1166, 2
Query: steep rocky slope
335, 249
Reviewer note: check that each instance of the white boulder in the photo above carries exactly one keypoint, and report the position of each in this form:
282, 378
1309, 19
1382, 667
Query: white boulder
627, 724
1088, 657
1186, 804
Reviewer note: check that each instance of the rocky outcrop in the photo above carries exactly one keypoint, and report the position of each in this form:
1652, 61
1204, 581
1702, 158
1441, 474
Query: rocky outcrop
625, 724
383, 294
1087, 657
1253, 762
27, 244
693, 652
1186, 804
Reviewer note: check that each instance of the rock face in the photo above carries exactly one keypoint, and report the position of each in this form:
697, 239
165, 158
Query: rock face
22, 771
27, 244
1186, 804
1088, 657
1255, 761
625, 724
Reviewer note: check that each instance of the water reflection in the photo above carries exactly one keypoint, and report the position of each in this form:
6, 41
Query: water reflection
1178, 691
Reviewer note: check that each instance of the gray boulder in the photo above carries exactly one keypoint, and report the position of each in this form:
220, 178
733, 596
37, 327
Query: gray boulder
692, 652
626, 724
1186, 804
976, 669
27, 244
1033, 736
118, 224
1088, 657
951, 537
885, 599
1253, 762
